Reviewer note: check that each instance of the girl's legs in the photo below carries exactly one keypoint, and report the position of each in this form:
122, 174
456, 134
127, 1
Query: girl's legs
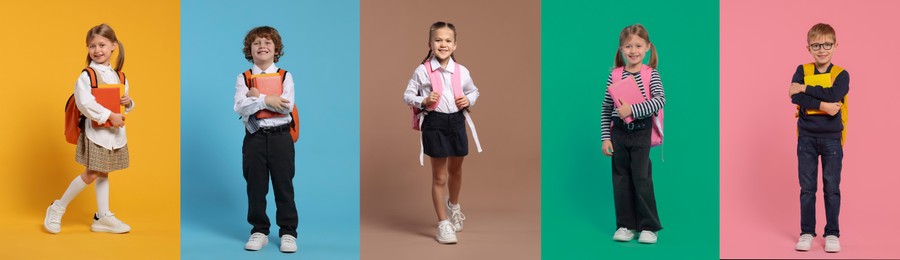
455, 181
102, 189
76, 186
438, 182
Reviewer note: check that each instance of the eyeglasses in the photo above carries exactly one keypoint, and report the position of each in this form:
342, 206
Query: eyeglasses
817, 46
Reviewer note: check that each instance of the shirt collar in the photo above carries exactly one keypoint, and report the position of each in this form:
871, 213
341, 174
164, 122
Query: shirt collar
271, 69
435, 65
100, 67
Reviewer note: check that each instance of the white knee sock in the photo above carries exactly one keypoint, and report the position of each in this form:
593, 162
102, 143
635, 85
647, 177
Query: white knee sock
102, 188
75, 187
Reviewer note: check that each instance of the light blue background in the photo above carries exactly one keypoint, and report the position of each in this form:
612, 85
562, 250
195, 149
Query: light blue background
322, 52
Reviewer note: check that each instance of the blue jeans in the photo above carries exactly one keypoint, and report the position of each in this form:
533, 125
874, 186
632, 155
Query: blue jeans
809, 149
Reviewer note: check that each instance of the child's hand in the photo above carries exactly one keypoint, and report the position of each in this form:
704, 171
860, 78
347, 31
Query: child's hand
277, 102
624, 109
462, 102
117, 120
830, 108
796, 88
433, 97
607, 148
254, 92
125, 101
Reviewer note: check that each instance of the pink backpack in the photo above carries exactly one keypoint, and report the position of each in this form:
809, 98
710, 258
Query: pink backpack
656, 137
437, 85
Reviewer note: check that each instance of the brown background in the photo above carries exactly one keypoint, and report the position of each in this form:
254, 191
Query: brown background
499, 41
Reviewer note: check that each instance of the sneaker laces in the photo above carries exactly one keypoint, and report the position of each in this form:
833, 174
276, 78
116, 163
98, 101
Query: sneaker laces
113, 219
648, 234
622, 231
831, 239
288, 239
446, 230
257, 237
456, 216
55, 216
806, 238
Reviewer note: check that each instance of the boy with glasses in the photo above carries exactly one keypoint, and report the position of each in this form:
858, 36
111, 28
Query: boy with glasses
820, 90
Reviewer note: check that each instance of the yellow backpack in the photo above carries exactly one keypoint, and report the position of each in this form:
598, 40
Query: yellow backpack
808, 72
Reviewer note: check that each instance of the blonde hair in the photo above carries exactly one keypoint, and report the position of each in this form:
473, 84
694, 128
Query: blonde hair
821, 30
106, 31
640, 31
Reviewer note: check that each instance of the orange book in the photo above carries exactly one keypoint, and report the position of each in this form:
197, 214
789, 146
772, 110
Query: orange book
268, 84
107, 95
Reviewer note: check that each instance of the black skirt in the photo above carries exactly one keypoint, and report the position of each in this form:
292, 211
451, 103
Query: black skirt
444, 135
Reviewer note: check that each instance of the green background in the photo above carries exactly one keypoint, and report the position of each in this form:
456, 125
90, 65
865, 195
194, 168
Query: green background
579, 41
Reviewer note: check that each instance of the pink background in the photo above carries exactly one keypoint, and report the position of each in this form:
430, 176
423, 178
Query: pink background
762, 42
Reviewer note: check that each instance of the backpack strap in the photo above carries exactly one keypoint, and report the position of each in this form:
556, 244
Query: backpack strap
92, 75
121, 77
247, 80
646, 77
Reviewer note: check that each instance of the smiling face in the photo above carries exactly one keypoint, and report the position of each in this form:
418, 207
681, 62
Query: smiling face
443, 43
100, 49
262, 50
822, 49
633, 49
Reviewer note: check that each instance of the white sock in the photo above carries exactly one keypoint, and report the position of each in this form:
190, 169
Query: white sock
102, 188
452, 206
444, 221
75, 187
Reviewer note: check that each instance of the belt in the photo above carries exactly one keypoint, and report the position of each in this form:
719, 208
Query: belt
275, 129
635, 125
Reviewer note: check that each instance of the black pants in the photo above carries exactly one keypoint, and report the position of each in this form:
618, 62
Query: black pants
270, 154
809, 149
632, 176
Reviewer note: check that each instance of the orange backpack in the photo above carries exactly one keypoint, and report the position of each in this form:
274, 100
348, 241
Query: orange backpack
295, 115
74, 118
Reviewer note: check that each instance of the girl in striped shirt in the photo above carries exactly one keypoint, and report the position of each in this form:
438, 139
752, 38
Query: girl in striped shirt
629, 143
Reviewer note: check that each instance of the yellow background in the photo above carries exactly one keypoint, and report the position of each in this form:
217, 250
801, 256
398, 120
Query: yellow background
43, 53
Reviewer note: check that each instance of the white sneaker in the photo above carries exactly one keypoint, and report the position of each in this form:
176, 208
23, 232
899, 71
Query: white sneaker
109, 224
832, 244
288, 244
257, 241
53, 218
804, 243
456, 216
647, 237
446, 234
623, 235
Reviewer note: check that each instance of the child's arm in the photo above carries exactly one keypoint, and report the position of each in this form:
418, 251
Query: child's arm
243, 105
468, 86
649, 107
801, 99
835, 93
86, 102
606, 112
287, 93
126, 99
411, 94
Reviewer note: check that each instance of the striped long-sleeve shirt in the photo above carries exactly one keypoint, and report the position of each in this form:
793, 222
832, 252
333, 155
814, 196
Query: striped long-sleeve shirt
640, 110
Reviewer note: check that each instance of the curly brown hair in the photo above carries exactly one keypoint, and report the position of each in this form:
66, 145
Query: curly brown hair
267, 32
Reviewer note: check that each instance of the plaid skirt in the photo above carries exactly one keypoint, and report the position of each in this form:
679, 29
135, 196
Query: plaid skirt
97, 158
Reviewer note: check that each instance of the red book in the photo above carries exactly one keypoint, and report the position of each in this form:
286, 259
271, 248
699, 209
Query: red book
107, 95
268, 84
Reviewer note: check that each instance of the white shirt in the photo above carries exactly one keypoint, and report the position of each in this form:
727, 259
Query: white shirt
106, 137
247, 106
421, 82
